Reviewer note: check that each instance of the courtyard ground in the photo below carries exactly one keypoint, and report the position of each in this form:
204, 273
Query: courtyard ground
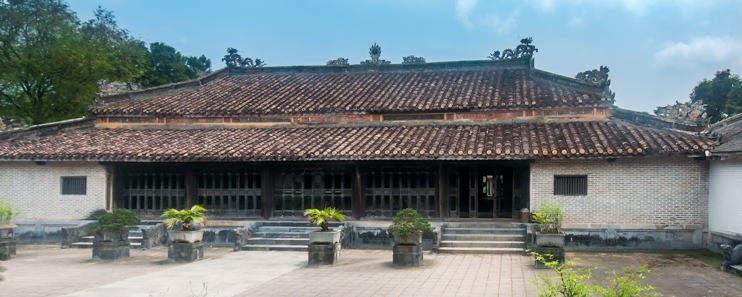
45, 270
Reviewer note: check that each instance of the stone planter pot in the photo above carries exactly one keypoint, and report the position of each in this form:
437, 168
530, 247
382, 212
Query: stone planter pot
332, 236
185, 236
6, 231
108, 235
553, 240
412, 239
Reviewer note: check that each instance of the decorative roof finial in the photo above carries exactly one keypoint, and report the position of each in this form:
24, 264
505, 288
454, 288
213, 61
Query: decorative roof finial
411, 59
375, 53
595, 76
338, 62
524, 49
232, 58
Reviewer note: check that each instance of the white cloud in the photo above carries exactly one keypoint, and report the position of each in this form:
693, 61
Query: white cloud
700, 50
501, 25
463, 10
575, 22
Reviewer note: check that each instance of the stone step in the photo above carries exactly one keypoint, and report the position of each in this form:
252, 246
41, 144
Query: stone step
294, 224
486, 225
277, 241
136, 238
483, 237
484, 231
275, 247
483, 244
89, 245
287, 229
281, 234
466, 250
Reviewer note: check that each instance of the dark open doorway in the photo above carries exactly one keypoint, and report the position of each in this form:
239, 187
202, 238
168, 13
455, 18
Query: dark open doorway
491, 191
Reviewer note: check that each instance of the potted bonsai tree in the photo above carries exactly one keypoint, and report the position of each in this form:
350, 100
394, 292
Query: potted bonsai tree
183, 225
408, 227
549, 219
114, 226
6, 214
321, 218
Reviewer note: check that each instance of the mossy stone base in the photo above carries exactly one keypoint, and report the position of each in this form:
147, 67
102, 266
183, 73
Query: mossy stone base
110, 250
408, 255
549, 254
324, 253
7, 245
185, 252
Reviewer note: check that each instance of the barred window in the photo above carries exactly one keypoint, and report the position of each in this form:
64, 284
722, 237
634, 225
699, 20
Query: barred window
74, 185
570, 185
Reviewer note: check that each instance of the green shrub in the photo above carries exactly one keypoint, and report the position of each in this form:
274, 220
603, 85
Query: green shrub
550, 217
320, 217
117, 220
408, 222
571, 283
187, 219
6, 212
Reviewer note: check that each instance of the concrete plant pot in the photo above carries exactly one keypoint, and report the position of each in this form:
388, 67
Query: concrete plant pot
6, 231
332, 236
552, 240
415, 239
191, 236
108, 235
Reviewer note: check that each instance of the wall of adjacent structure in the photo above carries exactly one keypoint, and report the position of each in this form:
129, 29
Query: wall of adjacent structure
725, 203
35, 190
635, 202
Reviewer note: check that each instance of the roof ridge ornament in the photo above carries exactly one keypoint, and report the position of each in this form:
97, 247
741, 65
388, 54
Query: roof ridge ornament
598, 77
338, 62
232, 58
524, 49
411, 59
375, 52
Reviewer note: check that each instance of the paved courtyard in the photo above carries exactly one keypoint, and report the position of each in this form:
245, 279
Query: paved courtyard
43, 270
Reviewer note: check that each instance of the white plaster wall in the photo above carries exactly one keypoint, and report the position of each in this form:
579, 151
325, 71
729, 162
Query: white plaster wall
36, 190
725, 197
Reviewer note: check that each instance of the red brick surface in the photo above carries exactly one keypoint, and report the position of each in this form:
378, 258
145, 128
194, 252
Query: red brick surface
379, 142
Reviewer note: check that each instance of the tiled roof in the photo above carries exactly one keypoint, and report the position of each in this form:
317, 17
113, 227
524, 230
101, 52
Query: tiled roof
484, 88
484, 141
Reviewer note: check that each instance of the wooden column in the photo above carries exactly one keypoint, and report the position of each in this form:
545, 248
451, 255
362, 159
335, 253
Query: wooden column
117, 178
442, 191
357, 196
191, 180
267, 191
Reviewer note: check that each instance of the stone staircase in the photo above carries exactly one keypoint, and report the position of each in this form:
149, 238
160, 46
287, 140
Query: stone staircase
483, 238
135, 239
281, 236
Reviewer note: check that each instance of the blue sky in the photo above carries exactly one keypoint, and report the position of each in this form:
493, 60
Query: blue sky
656, 50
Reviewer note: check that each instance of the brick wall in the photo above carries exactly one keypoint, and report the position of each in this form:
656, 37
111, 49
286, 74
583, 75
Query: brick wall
725, 197
35, 190
629, 191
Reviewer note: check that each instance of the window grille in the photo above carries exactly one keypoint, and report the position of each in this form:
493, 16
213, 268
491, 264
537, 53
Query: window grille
149, 193
230, 193
298, 189
74, 185
570, 185
389, 190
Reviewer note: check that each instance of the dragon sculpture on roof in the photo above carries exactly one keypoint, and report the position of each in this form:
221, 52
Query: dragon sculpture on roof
524, 49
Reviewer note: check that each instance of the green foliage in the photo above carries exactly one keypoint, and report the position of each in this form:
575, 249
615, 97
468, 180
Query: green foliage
167, 65
4, 256
550, 217
573, 283
408, 222
321, 217
117, 220
6, 212
52, 63
722, 95
187, 219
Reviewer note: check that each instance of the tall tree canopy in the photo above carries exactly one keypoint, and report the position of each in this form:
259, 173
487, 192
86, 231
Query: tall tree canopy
50, 63
722, 95
167, 65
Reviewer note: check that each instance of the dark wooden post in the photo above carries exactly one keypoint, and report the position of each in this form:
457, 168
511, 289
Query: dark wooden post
191, 180
442, 191
267, 191
357, 196
116, 183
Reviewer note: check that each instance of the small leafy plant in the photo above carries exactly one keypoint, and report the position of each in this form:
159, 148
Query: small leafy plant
321, 217
187, 219
117, 220
569, 282
549, 218
408, 222
7, 213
